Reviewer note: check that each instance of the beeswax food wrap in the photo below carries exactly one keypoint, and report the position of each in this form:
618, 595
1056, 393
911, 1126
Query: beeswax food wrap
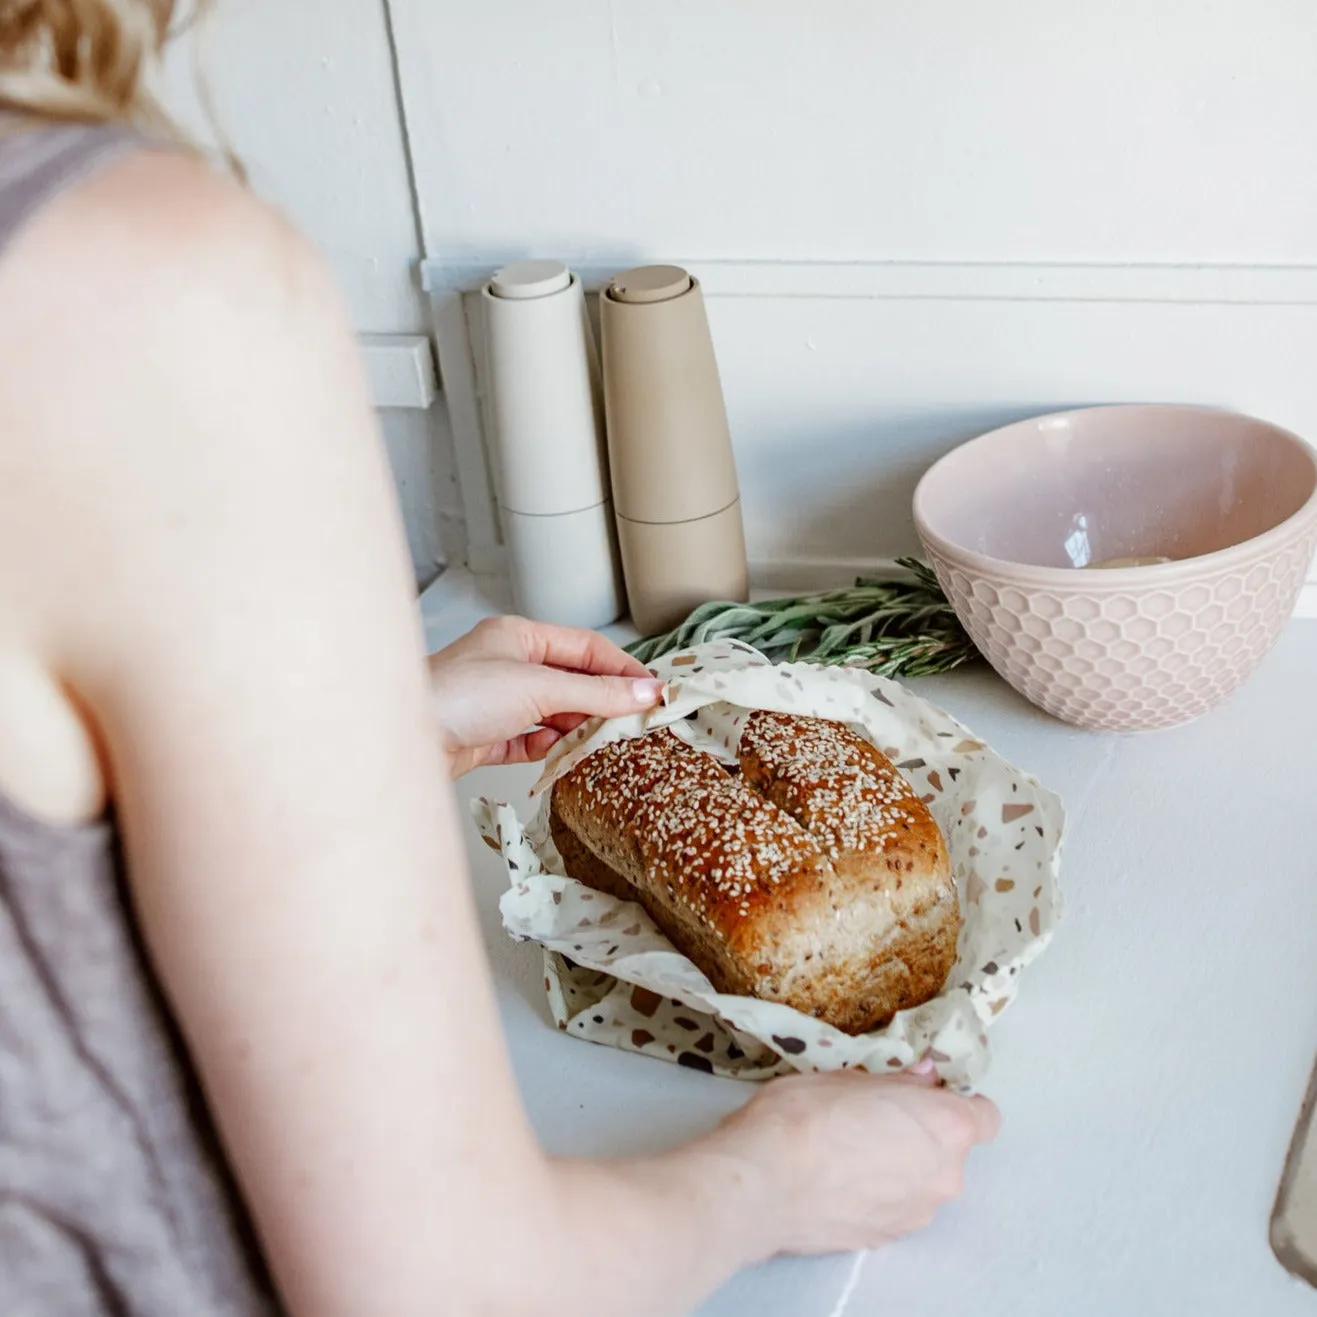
612, 977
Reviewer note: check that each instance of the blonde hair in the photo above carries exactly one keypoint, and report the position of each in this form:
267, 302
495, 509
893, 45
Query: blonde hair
84, 61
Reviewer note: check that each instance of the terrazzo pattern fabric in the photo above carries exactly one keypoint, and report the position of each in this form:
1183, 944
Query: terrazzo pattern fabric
613, 978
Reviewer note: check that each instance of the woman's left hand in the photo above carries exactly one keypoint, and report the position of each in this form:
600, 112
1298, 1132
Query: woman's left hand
507, 691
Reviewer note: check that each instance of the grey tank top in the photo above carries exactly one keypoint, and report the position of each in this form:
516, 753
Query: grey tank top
114, 1198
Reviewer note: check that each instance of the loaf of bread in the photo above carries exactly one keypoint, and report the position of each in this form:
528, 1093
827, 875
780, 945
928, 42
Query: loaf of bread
813, 876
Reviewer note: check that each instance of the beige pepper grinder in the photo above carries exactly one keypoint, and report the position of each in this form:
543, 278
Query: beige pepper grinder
675, 491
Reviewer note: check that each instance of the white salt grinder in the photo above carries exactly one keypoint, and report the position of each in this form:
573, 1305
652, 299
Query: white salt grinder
549, 448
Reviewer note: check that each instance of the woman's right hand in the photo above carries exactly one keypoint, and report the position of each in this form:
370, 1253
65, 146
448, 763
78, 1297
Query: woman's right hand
848, 1161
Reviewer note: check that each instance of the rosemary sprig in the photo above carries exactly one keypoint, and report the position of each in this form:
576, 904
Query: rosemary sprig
892, 628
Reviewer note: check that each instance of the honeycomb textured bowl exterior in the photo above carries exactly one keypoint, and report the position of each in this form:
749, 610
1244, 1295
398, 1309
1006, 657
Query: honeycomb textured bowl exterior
1124, 658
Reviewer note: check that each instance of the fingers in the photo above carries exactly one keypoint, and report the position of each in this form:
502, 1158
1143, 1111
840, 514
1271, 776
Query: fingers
961, 1121
564, 723
557, 693
528, 748
966, 1121
533, 746
978, 1119
987, 1118
566, 647
917, 1078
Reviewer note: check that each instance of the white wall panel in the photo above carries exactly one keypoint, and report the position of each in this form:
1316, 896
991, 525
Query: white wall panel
306, 96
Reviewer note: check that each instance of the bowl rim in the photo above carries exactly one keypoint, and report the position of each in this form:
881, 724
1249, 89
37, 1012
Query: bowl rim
1110, 578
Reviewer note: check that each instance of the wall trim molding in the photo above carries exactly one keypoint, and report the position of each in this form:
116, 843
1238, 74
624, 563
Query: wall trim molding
1252, 285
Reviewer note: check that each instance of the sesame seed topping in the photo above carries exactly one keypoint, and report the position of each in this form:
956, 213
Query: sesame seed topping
722, 845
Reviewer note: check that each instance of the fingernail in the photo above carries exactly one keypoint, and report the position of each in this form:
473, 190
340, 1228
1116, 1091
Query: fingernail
924, 1067
647, 693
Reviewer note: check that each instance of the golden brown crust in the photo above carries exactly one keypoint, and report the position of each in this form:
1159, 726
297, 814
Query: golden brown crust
712, 857
815, 877
846, 793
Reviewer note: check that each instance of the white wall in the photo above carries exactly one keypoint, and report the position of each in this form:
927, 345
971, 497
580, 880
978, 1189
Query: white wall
900, 137
306, 95
1038, 130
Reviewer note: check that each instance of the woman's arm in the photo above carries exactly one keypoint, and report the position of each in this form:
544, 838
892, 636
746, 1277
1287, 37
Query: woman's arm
218, 575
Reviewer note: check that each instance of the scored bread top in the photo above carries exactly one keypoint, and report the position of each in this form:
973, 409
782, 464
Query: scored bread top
709, 843
844, 791
783, 739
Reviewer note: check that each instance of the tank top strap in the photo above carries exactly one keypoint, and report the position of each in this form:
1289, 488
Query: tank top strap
39, 164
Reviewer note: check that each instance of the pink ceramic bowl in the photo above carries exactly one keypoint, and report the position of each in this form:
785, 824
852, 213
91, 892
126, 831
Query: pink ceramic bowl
1010, 518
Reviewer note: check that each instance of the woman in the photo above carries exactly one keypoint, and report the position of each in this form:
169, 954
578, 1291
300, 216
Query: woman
210, 666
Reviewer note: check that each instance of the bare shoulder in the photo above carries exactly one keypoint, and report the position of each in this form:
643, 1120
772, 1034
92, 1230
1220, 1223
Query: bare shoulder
168, 341
153, 284
159, 265
158, 224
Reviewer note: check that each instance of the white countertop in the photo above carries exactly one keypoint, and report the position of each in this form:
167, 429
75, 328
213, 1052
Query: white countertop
1149, 1074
